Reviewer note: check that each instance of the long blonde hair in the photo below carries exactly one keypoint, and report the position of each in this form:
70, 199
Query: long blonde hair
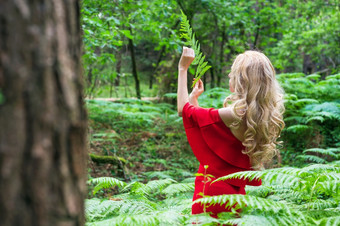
257, 99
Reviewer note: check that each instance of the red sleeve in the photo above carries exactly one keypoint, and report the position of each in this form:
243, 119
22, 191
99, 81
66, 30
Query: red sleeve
189, 119
198, 116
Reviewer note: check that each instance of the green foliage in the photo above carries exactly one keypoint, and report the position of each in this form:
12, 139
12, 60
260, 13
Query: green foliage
105, 182
288, 196
189, 36
141, 204
132, 114
312, 114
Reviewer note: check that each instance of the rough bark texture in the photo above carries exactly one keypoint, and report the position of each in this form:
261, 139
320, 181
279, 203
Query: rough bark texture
42, 119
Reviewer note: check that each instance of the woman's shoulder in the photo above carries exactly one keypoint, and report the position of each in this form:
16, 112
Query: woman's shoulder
229, 118
227, 115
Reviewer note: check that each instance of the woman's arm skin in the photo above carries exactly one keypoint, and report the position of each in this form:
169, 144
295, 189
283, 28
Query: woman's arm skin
188, 55
196, 92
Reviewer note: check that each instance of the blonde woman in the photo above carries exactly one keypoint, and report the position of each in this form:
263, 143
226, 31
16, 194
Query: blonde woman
238, 137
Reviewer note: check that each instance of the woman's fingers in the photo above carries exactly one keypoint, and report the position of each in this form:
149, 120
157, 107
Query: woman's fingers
188, 52
188, 55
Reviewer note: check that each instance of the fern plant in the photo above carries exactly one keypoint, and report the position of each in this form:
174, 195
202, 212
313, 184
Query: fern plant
158, 202
288, 196
190, 40
319, 155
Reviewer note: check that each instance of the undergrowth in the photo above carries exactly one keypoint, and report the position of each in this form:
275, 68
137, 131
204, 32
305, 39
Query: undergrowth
160, 183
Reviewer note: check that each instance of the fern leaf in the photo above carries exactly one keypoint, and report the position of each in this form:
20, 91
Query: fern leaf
173, 189
320, 168
154, 186
315, 118
315, 77
285, 176
329, 151
312, 158
329, 221
265, 220
127, 220
298, 128
106, 182
190, 40
319, 204
259, 191
242, 201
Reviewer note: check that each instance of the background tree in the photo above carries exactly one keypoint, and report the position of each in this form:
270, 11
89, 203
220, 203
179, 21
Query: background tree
42, 117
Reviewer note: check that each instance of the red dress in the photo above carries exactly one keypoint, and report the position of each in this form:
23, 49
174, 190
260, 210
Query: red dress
214, 145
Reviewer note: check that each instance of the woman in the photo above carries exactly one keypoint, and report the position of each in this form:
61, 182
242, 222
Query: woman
238, 137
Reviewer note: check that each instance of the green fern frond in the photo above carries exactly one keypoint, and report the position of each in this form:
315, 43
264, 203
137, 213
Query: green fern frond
330, 176
319, 204
189, 36
314, 77
332, 107
287, 176
243, 201
328, 115
336, 76
106, 182
329, 221
312, 158
331, 188
136, 206
285, 76
173, 189
259, 191
268, 220
153, 186
305, 101
96, 209
179, 203
315, 118
332, 152
319, 214
298, 128
320, 168
128, 220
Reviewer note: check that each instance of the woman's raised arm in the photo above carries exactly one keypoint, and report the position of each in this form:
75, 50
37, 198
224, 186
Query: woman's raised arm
188, 55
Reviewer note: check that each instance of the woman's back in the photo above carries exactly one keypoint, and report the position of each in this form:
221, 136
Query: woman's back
228, 119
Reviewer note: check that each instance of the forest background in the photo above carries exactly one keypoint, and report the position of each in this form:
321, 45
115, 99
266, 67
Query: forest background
138, 146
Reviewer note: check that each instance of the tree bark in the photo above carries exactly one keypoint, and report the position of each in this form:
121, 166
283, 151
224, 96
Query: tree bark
220, 71
134, 67
118, 67
159, 58
42, 119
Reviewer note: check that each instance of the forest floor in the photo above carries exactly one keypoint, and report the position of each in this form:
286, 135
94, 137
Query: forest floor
153, 145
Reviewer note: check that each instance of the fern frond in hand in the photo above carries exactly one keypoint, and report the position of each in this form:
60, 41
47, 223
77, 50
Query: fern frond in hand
190, 40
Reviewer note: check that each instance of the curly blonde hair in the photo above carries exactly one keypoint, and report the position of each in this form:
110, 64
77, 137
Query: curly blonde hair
258, 99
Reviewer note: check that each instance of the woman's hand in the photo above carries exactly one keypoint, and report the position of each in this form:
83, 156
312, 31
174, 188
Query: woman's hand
198, 89
188, 55
196, 92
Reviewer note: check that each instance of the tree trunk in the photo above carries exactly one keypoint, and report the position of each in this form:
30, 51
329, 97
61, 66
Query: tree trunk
159, 58
212, 75
118, 67
42, 119
220, 71
134, 67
